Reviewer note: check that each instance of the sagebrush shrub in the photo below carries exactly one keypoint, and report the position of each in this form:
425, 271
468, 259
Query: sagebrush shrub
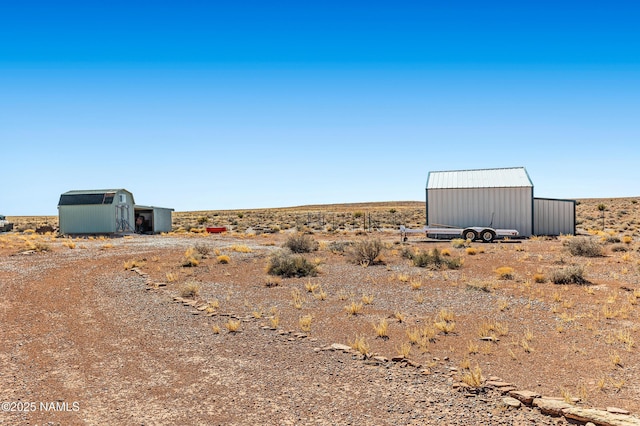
573, 274
587, 247
301, 243
366, 252
285, 264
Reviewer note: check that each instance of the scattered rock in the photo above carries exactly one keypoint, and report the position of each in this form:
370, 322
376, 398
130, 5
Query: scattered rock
600, 417
616, 410
341, 347
511, 402
524, 396
551, 406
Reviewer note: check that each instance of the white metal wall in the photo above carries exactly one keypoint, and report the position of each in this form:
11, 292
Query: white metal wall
554, 217
510, 208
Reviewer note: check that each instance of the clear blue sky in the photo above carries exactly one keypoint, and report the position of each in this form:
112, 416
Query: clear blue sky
224, 105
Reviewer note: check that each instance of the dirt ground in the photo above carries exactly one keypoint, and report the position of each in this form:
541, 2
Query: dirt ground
92, 332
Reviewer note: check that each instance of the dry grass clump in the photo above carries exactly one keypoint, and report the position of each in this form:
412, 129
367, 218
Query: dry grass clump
273, 281
361, 345
583, 246
190, 289
223, 259
365, 252
283, 263
473, 377
445, 321
305, 323
382, 329
191, 257
354, 308
240, 248
301, 243
130, 264
539, 278
233, 326
505, 273
37, 246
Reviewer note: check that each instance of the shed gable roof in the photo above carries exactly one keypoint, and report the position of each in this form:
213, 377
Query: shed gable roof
513, 177
89, 197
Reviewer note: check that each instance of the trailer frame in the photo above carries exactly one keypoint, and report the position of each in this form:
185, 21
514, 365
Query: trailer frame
485, 234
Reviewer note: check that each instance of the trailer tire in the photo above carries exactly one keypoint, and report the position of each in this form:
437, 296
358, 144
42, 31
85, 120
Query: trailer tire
487, 235
469, 234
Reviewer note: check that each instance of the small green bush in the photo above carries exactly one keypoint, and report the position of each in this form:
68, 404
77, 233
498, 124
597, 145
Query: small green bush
573, 274
285, 264
586, 247
301, 243
366, 252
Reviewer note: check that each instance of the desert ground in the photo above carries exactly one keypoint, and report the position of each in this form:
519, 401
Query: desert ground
355, 327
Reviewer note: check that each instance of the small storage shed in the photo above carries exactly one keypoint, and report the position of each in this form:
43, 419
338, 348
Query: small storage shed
497, 198
108, 211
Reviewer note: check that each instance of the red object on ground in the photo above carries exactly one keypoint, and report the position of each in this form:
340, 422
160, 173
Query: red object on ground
217, 230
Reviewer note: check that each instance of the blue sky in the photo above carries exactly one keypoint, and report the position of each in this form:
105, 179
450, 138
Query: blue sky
238, 105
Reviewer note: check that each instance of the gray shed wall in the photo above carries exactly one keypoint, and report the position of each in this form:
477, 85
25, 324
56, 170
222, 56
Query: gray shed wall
162, 220
554, 217
511, 208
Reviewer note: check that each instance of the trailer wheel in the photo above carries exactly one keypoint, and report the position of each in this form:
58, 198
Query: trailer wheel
487, 235
469, 234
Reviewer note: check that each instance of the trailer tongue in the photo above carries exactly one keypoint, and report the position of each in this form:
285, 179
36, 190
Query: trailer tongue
471, 233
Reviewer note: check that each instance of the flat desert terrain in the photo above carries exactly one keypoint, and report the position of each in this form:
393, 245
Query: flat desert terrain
354, 327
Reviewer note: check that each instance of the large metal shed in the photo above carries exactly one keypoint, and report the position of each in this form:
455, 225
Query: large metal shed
497, 198
108, 211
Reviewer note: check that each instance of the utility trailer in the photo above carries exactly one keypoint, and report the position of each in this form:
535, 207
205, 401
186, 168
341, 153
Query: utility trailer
5, 225
472, 233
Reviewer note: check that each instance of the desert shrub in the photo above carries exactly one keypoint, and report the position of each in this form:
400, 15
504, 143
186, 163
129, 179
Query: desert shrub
339, 246
301, 243
285, 264
586, 247
435, 260
366, 252
203, 249
618, 247
224, 259
612, 239
573, 274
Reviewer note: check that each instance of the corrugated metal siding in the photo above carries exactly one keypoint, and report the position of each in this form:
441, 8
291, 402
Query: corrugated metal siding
88, 219
554, 217
162, 220
511, 208
484, 178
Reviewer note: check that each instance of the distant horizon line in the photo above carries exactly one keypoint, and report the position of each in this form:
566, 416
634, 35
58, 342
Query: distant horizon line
352, 204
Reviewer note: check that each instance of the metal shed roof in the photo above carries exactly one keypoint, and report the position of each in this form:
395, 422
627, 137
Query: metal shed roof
90, 196
512, 177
